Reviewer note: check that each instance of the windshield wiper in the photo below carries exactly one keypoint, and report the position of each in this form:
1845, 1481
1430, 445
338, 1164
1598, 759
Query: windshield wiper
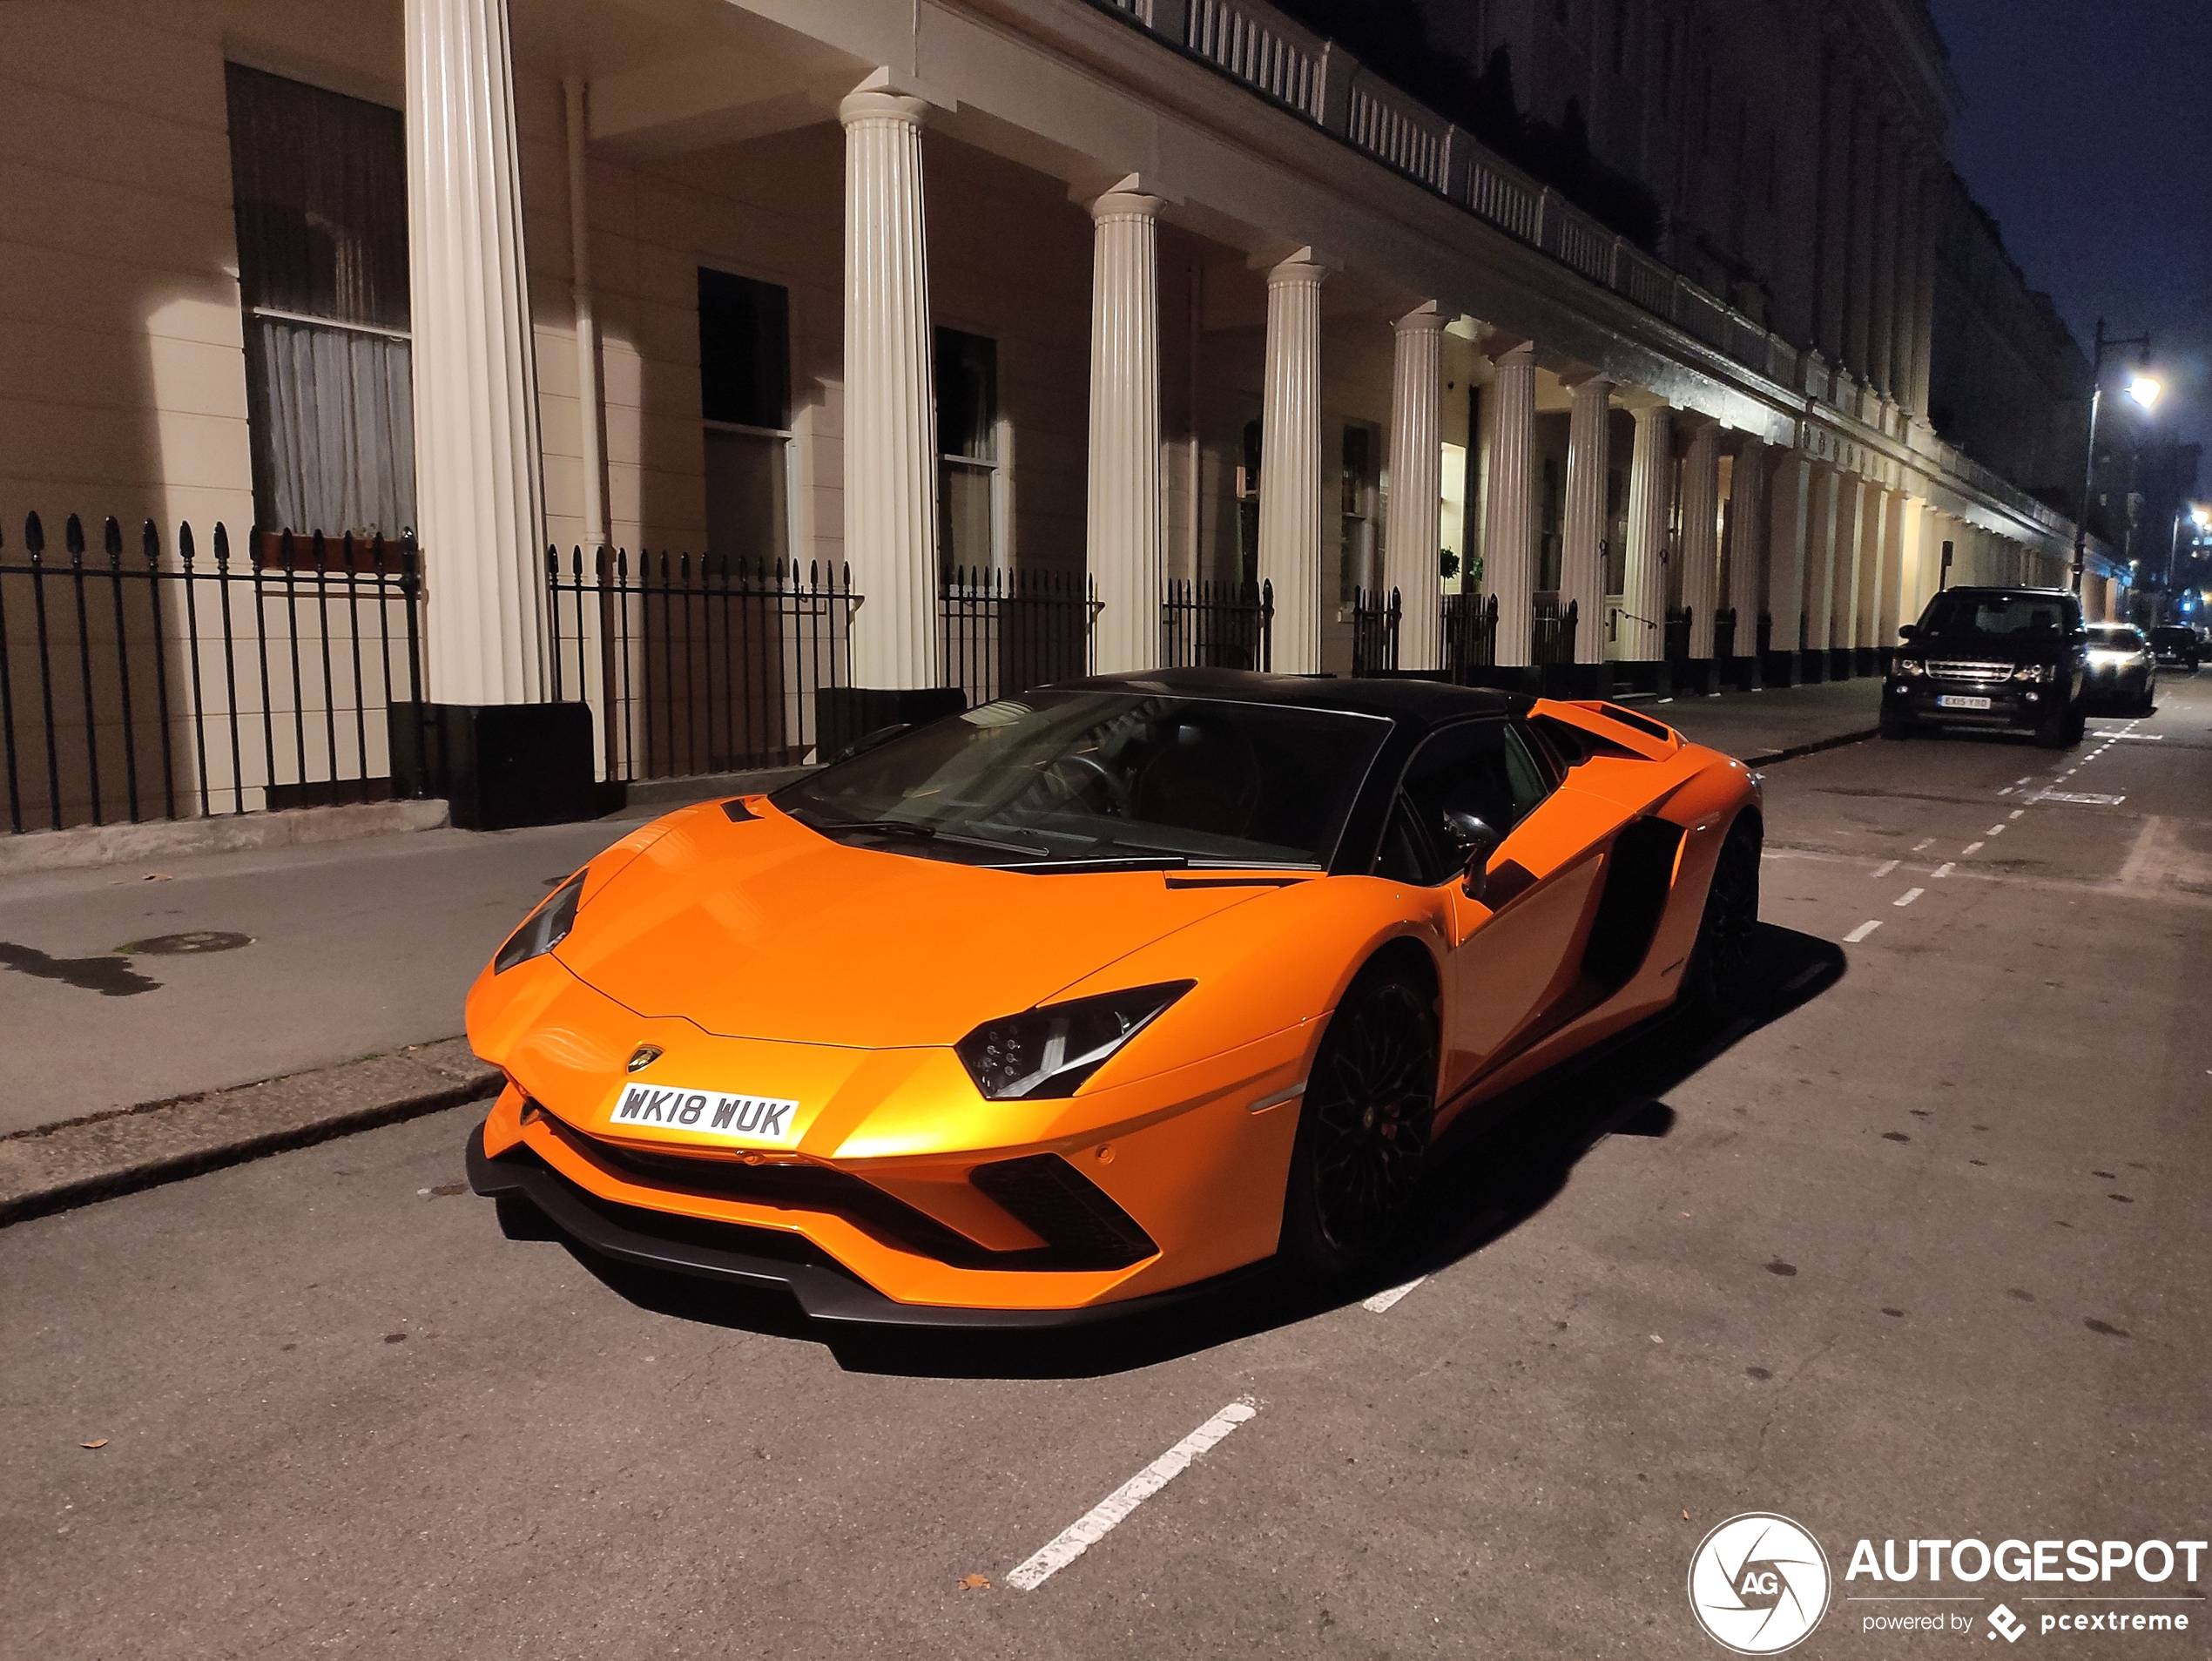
929, 834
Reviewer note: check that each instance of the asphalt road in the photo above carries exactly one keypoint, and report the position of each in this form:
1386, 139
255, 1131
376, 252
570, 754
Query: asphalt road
1922, 1256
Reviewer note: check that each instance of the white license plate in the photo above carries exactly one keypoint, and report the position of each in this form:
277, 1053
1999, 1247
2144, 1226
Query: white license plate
753, 1121
1953, 701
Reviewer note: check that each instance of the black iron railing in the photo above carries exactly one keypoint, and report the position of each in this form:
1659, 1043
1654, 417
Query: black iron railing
1216, 625
697, 664
1552, 640
1005, 631
1724, 635
162, 683
1470, 633
1375, 617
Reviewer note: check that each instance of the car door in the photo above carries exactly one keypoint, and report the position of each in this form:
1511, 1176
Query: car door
1512, 954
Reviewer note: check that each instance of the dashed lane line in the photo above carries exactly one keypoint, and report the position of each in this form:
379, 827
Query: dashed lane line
1926, 841
1971, 849
1994, 830
1945, 870
1908, 896
2016, 813
1103, 1518
1886, 867
1861, 932
1382, 1300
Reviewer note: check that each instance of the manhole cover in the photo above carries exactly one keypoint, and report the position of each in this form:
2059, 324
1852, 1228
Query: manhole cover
184, 945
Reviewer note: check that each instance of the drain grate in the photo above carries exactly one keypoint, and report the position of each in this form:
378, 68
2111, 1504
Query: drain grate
193, 940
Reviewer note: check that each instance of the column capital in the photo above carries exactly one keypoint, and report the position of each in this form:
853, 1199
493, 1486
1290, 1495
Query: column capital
880, 97
1428, 317
1501, 344
1589, 383
1300, 270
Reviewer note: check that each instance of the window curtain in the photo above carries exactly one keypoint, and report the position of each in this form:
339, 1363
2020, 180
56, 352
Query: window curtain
333, 415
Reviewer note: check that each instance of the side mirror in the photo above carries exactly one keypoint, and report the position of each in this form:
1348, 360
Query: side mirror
1905, 632
1477, 841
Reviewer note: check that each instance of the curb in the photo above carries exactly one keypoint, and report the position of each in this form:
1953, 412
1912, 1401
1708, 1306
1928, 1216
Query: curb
60, 1166
1767, 758
88, 846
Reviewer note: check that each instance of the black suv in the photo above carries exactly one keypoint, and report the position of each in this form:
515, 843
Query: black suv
2177, 643
2008, 657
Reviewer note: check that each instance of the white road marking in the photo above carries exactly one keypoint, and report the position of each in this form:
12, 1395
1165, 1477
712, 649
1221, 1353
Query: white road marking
1886, 867
1944, 869
1861, 932
2084, 798
1382, 1300
1908, 896
2029, 781
1994, 830
2016, 813
1096, 1524
1924, 843
2008, 790
1970, 848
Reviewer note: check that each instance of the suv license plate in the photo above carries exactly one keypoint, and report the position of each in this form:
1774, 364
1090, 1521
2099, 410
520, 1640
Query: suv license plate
1953, 700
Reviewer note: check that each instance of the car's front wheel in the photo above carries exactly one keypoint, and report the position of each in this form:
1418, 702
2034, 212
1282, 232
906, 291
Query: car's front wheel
1364, 1126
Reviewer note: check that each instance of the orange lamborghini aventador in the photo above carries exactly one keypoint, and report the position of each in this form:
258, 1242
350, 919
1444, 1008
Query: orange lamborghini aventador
1088, 998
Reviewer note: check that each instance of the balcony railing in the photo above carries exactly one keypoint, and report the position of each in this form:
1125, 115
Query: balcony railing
1216, 625
1375, 617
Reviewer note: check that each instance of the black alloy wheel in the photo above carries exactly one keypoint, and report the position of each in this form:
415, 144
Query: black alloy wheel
1364, 1126
1721, 982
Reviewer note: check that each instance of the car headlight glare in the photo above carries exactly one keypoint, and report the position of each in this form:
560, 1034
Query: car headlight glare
2036, 671
1911, 667
1050, 1050
544, 928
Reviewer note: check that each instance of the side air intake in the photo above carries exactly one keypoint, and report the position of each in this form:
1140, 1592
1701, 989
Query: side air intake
1070, 1213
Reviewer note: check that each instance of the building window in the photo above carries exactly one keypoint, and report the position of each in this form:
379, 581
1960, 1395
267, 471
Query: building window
1359, 564
318, 190
744, 404
1551, 506
970, 453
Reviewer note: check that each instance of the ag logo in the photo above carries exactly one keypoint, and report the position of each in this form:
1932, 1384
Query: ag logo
1758, 1584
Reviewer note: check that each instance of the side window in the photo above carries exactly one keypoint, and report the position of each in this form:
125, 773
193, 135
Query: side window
1482, 768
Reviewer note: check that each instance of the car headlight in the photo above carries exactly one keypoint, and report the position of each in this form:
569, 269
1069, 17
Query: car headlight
1050, 1051
544, 928
2036, 671
1911, 667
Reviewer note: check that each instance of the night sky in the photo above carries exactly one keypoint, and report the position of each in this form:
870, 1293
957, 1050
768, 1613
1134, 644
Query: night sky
2088, 135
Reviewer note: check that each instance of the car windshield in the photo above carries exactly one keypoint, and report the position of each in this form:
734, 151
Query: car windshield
1103, 779
1966, 612
2116, 637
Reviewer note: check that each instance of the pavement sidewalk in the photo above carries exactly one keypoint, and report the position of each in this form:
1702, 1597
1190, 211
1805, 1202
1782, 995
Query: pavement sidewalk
137, 1000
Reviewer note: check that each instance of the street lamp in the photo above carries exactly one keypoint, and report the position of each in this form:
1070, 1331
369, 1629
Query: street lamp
2144, 388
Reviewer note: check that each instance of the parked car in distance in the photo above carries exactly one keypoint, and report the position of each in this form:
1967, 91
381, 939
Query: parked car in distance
2177, 643
2121, 673
2010, 659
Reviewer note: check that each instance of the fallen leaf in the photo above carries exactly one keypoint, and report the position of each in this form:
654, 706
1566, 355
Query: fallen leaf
975, 1582
1685, 1517
1656, 1339
102, 1443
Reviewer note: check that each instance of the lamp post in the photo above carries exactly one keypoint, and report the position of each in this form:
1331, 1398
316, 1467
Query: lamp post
2144, 388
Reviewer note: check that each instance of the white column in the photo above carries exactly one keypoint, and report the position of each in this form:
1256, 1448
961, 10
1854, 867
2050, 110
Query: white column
1123, 531
1414, 531
479, 505
1582, 570
1843, 606
1701, 540
1820, 561
890, 394
1509, 524
1785, 585
1643, 589
1290, 463
1747, 521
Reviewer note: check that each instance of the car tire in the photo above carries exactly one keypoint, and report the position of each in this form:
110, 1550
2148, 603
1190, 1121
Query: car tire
2077, 723
1364, 1126
1721, 982
2059, 730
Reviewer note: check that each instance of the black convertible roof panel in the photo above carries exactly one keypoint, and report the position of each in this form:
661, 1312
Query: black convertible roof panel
1414, 702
